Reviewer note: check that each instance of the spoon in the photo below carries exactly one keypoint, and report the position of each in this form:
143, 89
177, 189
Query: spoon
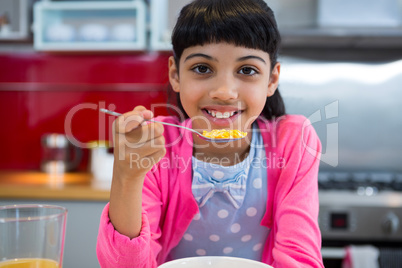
218, 140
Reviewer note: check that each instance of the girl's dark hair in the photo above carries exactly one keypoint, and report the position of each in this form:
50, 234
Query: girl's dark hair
246, 23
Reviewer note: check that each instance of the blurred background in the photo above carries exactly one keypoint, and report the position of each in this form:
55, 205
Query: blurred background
60, 61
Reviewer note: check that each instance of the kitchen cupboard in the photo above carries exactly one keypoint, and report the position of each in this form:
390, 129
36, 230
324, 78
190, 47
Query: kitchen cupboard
346, 24
90, 26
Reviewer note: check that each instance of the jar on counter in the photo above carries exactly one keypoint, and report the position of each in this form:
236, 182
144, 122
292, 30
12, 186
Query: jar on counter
101, 161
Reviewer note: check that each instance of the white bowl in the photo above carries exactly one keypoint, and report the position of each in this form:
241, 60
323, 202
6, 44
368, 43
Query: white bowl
214, 262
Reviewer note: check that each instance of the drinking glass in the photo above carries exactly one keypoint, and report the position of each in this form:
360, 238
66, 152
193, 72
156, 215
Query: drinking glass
32, 236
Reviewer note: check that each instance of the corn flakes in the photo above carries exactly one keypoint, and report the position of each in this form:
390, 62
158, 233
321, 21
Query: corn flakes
224, 134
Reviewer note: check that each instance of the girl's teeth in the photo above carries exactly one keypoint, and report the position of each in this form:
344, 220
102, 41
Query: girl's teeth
221, 115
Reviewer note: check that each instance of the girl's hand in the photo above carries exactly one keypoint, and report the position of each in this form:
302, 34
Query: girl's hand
138, 145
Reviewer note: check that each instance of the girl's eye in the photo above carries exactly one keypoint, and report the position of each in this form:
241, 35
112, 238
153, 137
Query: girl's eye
248, 71
201, 69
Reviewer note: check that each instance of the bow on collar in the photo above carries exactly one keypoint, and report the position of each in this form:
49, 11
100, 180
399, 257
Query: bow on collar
204, 187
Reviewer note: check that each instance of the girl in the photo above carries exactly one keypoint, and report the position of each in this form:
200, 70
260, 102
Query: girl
175, 195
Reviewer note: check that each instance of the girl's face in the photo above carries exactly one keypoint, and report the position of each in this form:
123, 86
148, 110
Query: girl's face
223, 85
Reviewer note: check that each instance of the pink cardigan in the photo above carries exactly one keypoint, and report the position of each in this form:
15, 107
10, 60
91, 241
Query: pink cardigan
293, 151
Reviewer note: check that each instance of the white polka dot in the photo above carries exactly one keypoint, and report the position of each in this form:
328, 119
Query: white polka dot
257, 247
197, 175
245, 238
251, 211
214, 238
257, 183
235, 228
197, 217
227, 250
188, 237
201, 252
218, 174
223, 213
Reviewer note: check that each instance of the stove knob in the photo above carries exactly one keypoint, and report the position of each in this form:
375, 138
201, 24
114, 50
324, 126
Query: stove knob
390, 224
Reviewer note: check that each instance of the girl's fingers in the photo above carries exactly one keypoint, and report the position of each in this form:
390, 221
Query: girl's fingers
131, 120
149, 161
143, 134
136, 153
128, 121
147, 114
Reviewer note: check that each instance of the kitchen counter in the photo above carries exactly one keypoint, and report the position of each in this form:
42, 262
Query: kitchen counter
38, 185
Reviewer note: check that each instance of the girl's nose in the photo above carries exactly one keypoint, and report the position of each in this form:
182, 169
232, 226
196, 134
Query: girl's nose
225, 89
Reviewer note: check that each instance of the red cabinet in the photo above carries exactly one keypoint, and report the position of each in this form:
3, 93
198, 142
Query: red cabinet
46, 93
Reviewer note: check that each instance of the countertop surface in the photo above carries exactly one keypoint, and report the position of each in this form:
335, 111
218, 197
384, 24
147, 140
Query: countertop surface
38, 185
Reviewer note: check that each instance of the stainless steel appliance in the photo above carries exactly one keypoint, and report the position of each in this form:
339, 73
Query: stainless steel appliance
356, 110
58, 154
362, 207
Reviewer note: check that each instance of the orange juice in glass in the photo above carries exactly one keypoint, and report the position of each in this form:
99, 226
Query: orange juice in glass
29, 263
32, 236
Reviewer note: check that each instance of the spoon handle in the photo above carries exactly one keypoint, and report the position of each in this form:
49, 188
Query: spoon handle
164, 123
173, 125
109, 112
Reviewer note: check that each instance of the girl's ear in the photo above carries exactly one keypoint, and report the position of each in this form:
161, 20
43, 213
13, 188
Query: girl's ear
274, 79
173, 75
